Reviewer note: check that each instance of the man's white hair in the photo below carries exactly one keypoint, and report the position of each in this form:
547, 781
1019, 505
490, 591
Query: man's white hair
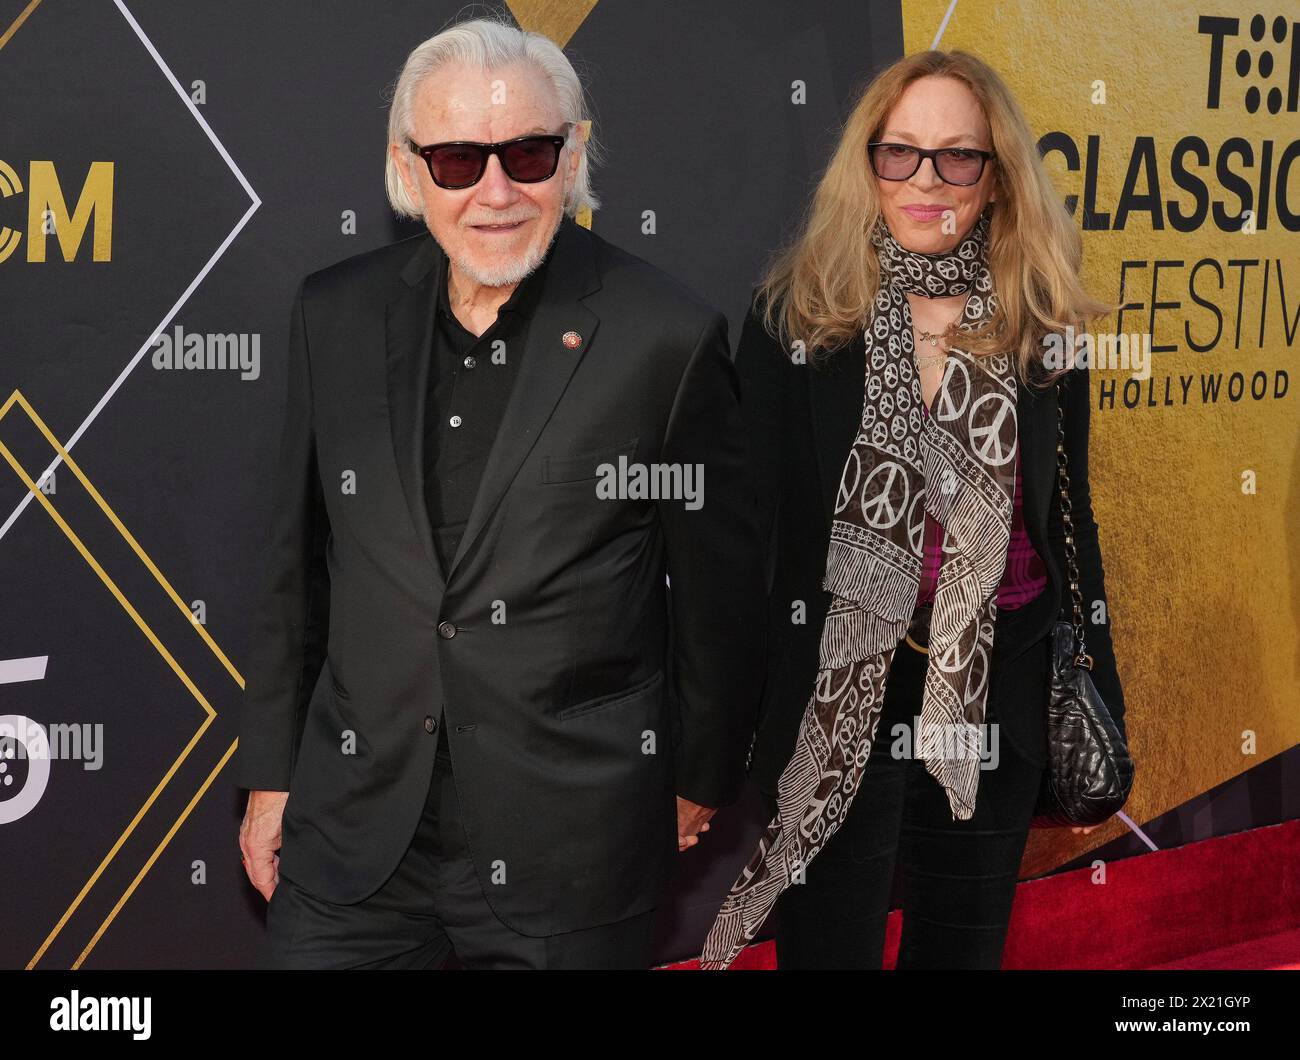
487, 44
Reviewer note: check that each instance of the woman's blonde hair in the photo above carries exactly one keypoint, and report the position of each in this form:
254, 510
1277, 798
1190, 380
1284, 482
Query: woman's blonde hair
820, 288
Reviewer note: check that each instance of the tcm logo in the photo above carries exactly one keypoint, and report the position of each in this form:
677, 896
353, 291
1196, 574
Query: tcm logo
1270, 55
48, 214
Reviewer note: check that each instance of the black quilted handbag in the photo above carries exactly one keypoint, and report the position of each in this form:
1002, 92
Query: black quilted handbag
1089, 770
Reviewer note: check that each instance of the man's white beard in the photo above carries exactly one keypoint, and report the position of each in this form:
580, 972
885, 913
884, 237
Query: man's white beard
511, 272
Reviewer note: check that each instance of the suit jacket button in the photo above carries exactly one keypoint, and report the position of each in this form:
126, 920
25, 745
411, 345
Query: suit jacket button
430, 724
446, 630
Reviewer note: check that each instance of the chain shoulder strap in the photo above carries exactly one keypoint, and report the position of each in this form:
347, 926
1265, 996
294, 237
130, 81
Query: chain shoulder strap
1081, 656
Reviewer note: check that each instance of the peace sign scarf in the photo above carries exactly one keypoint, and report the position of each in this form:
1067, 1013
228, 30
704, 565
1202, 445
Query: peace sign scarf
958, 464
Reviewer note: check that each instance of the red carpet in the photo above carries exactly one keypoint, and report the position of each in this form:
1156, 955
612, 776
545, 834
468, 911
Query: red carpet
1230, 902
1280, 951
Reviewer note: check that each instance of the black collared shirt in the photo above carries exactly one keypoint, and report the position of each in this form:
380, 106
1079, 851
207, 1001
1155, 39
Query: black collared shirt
470, 379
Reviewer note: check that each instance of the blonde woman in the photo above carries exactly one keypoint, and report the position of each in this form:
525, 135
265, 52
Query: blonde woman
897, 397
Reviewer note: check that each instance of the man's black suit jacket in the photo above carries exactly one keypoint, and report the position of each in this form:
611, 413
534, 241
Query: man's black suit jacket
579, 690
802, 421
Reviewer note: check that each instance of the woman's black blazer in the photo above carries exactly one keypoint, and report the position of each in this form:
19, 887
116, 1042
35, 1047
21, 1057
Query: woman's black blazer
801, 422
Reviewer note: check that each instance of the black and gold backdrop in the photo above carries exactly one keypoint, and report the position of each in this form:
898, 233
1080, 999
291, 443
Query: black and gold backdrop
171, 170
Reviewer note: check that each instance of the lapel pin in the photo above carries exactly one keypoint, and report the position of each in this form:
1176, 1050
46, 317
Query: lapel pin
571, 339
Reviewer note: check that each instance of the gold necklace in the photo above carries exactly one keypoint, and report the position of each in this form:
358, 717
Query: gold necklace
933, 337
925, 362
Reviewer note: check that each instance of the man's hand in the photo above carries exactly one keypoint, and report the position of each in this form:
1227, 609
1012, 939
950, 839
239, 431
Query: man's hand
692, 819
259, 839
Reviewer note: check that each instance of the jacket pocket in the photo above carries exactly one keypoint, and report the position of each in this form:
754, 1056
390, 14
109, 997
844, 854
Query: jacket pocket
580, 466
612, 700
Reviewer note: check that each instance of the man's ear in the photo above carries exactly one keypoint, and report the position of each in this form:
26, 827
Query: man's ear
576, 154
402, 163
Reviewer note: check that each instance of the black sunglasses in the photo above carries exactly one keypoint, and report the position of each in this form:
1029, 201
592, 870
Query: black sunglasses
955, 165
460, 164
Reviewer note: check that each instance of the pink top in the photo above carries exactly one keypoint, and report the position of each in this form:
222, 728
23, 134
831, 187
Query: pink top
1025, 576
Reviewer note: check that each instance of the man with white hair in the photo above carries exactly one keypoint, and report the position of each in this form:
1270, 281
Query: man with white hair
487, 702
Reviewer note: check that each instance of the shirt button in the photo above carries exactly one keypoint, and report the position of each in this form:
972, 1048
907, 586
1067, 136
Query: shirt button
446, 630
455, 421
470, 362
429, 724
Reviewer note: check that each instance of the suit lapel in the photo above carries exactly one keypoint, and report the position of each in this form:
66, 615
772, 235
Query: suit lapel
409, 336
544, 374
835, 392
1036, 434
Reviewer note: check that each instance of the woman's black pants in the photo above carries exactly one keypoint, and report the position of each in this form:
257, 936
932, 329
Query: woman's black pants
959, 877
